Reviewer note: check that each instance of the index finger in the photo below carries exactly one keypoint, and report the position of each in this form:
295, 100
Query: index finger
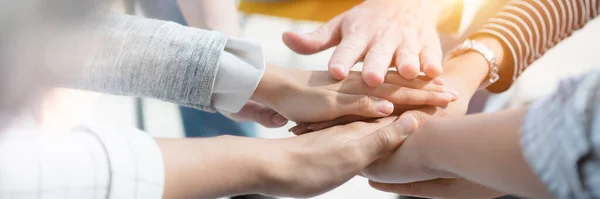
350, 51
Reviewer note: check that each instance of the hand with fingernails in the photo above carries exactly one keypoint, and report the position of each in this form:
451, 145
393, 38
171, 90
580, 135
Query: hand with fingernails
309, 165
382, 33
313, 96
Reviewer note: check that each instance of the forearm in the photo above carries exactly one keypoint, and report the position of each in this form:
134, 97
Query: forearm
212, 167
466, 73
485, 149
219, 15
150, 58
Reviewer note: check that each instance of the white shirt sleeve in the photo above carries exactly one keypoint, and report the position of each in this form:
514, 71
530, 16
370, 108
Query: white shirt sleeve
84, 163
242, 65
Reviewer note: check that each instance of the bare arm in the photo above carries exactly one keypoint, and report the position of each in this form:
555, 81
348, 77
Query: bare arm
481, 148
484, 149
219, 15
550, 147
302, 166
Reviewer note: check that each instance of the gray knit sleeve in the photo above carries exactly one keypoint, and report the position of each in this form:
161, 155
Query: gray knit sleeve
152, 58
560, 138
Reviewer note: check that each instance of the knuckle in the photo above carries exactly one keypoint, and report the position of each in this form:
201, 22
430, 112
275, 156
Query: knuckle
349, 46
382, 42
352, 153
421, 118
378, 51
330, 103
383, 138
436, 88
407, 53
328, 108
430, 56
364, 104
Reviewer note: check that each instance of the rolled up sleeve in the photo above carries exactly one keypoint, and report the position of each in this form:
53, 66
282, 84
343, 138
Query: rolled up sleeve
241, 67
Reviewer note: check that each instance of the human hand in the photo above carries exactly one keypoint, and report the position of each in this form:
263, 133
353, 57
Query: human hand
410, 163
440, 188
382, 33
312, 96
463, 75
256, 112
309, 165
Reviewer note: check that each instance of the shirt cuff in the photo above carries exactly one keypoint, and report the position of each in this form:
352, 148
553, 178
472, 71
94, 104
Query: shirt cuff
241, 67
135, 161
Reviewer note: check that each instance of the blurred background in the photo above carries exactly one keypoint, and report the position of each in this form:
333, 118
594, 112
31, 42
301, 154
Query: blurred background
65, 108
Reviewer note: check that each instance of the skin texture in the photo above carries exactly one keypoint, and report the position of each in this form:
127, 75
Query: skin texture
302, 166
312, 96
221, 15
479, 151
462, 76
382, 33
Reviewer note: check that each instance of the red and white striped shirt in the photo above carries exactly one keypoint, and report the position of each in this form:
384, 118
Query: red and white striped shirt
528, 28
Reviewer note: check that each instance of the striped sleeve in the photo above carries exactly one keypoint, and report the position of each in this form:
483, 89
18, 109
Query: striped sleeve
528, 28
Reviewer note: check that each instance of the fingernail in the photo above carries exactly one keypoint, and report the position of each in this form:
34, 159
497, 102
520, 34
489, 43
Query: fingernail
279, 119
311, 126
446, 96
452, 92
406, 125
385, 107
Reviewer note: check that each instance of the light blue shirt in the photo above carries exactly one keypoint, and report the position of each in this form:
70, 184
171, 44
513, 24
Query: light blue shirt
560, 138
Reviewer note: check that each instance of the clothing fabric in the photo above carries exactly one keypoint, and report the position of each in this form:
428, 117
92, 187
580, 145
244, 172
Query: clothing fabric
167, 61
560, 138
198, 123
86, 162
528, 28
140, 57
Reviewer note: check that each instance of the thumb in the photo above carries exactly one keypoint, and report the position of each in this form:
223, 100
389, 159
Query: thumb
421, 115
361, 105
325, 37
254, 111
387, 139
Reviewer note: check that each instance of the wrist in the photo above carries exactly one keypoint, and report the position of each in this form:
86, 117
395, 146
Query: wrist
429, 135
494, 44
277, 169
251, 157
212, 167
465, 73
274, 86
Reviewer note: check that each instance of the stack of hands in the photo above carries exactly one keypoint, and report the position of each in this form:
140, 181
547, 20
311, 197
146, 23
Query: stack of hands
357, 123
